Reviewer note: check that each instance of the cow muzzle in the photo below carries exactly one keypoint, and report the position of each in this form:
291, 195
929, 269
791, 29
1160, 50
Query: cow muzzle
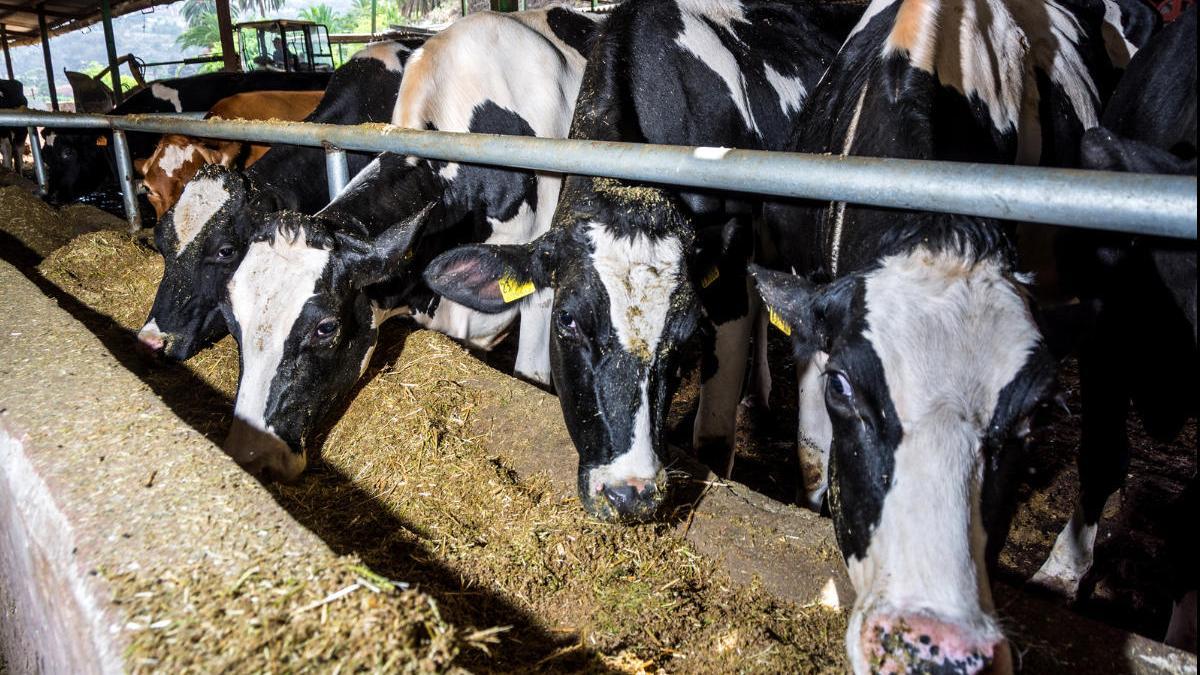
151, 340
630, 500
263, 454
907, 643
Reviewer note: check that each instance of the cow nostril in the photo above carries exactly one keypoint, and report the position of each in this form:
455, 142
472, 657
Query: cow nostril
622, 497
634, 499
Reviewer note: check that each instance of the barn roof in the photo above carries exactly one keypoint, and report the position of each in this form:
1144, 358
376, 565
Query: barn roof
20, 17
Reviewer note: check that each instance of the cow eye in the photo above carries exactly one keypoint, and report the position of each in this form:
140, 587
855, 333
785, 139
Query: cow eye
326, 328
839, 385
566, 322
226, 252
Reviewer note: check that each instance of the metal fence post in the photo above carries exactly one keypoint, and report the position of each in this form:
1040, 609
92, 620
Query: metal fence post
125, 176
39, 169
337, 172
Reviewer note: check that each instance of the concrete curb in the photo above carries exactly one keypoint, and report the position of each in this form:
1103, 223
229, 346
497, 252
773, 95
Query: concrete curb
98, 476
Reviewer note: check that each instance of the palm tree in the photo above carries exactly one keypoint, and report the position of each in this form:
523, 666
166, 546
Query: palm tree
202, 32
324, 15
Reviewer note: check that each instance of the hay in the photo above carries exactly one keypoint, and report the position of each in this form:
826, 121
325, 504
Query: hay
402, 484
43, 229
277, 617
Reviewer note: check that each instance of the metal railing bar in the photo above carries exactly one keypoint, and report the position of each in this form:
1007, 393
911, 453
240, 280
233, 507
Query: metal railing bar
126, 178
1138, 203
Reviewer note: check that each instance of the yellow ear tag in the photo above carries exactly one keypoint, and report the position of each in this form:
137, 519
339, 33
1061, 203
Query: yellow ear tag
408, 255
102, 141
512, 289
778, 322
712, 276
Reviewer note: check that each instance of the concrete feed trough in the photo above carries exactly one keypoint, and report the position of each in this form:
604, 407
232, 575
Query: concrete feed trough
437, 529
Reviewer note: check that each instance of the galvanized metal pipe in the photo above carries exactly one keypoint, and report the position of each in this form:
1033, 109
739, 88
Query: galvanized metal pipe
110, 45
1155, 205
46, 58
39, 169
337, 171
125, 177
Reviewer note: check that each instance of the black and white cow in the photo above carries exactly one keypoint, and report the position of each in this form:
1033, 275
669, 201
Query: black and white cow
1144, 292
306, 302
638, 271
79, 161
12, 139
923, 352
204, 236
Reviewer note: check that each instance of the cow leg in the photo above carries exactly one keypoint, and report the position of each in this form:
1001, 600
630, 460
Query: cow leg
1103, 461
533, 345
1183, 556
760, 369
1181, 631
815, 432
6, 152
716, 418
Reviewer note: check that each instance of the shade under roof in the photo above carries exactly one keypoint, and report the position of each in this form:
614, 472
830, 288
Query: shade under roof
20, 17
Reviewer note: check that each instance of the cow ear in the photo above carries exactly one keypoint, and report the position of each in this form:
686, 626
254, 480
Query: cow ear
489, 277
390, 249
1104, 150
811, 315
222, 154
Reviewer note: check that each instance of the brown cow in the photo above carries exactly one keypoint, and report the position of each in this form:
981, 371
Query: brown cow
177, 158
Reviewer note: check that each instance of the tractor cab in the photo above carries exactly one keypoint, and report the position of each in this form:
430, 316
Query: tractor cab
286, 45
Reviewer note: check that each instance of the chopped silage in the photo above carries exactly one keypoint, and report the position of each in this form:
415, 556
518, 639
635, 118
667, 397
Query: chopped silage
403, 484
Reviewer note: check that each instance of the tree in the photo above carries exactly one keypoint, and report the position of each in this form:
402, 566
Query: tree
324, 15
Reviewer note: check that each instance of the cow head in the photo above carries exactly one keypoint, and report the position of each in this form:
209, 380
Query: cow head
76, 163
174, 162
934, 368
301, 308
201, 240
618, 261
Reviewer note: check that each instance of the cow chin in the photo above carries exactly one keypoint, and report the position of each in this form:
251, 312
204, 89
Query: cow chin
264, 454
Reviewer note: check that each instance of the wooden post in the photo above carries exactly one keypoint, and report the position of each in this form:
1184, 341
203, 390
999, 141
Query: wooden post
7, 57
225, 25
110, 42
46, 56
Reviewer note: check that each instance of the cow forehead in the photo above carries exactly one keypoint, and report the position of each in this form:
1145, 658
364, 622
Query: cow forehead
169, 157
269, 289
950, 333
640, 274
200, 201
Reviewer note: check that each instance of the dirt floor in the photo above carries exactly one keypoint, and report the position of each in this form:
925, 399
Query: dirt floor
402, 485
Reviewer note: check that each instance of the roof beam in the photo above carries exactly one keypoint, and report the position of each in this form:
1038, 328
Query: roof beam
19, 33
14, 7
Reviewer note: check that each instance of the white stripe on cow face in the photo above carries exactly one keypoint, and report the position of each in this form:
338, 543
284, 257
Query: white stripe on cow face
700, 39
267, 294
200, 201
640, 463
173, 157
640, 273
950, 335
